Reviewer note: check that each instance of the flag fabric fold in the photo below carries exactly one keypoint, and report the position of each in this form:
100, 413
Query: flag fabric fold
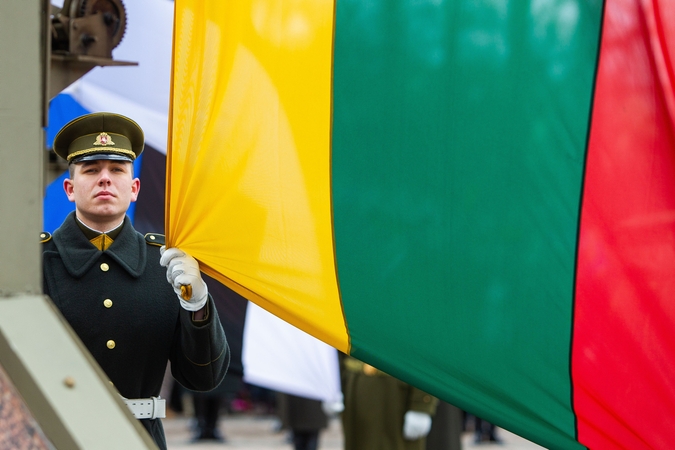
475, 197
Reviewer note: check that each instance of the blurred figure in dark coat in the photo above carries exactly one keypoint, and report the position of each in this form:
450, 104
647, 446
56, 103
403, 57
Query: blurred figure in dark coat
446, 428
485, 431
209, 406
304, 417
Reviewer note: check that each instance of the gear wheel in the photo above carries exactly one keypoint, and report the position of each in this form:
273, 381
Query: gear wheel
114, 16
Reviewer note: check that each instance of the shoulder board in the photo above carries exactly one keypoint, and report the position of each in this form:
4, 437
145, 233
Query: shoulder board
155, 239
45, 237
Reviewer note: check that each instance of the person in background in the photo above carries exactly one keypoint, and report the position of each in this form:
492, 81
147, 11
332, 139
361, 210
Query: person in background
485, 431
210, 406
304, 417
446, 428
382, 412
133, 303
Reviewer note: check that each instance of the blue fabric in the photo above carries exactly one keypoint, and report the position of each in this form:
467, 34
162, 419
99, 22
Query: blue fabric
62, 109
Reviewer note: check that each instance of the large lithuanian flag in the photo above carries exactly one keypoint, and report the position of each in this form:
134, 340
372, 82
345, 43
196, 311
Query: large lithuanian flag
477, 197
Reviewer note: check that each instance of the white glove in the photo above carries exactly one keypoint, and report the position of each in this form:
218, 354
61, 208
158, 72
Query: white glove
333, 407
182, 271
416, 425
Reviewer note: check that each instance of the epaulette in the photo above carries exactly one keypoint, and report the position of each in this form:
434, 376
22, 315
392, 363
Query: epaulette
45, 237
155, 239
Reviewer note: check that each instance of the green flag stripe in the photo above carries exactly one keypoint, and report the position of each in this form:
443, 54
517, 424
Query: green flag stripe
459, 132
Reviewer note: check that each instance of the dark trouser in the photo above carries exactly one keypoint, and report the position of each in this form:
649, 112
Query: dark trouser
485, 431
305, 440
207, 408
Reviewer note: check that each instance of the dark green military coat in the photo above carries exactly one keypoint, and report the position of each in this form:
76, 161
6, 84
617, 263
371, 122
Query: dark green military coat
122, 307
375, 405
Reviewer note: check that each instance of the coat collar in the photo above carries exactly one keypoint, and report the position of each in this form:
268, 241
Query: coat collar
79, 255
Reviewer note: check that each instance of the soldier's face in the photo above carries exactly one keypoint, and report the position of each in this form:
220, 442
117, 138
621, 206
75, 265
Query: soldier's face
102, 190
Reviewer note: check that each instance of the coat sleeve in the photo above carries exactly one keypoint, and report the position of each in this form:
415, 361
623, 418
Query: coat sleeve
200, 355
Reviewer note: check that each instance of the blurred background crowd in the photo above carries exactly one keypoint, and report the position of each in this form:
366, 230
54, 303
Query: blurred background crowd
375, 414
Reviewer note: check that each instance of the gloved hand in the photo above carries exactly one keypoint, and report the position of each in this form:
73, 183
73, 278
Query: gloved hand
183, 270
333, 407
416, 425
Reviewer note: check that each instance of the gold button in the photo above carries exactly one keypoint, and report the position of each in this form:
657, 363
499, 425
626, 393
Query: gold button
42, 235
105, 267
110, 344
107, 303
152, 237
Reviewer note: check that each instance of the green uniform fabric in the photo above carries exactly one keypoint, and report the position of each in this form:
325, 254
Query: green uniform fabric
374, 408
142, 316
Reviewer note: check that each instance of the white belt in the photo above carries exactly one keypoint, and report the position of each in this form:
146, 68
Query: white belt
147, 408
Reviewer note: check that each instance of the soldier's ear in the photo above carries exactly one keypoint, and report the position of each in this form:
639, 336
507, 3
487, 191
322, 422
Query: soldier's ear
68, 187
135, 189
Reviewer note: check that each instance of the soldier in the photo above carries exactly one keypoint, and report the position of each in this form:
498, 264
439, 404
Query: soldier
382, 412
108, 281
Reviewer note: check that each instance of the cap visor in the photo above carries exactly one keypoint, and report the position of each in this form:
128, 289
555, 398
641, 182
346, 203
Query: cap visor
99, 156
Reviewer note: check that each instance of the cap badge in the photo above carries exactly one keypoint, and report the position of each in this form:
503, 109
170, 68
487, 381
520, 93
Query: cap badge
104, 139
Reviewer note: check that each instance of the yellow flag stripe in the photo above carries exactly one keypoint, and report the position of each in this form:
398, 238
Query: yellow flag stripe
250, 154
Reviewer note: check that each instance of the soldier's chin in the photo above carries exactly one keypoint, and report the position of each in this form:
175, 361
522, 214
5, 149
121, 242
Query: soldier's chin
106, 212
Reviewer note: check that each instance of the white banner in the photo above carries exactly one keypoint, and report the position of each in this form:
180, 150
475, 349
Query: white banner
278, 356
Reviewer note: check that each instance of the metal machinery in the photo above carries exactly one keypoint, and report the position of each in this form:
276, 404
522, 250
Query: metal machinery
42, 50
88, 27
83, 35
